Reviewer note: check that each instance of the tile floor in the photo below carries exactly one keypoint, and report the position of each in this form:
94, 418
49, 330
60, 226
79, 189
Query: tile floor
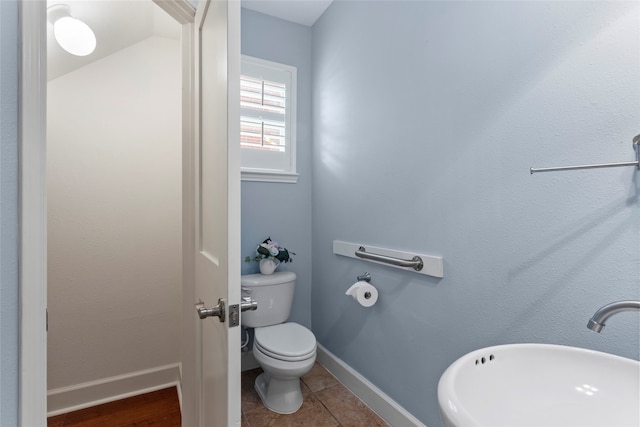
326, 403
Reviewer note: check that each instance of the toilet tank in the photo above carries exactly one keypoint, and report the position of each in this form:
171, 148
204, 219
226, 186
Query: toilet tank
274, 294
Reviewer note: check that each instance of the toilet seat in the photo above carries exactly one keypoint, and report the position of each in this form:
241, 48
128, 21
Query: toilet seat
288, 342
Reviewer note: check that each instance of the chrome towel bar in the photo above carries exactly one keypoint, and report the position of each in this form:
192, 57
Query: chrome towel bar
415, 263
636, 142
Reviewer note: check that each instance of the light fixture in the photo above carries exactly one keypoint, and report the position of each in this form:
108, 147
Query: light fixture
72, 34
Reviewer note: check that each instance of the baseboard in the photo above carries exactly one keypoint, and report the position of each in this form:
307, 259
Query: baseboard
388, 409
247, 361
85, 395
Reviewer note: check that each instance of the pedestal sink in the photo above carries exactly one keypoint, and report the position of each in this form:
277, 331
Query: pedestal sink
540, 385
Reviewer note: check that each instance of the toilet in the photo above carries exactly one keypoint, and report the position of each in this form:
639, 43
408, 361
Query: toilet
285, 350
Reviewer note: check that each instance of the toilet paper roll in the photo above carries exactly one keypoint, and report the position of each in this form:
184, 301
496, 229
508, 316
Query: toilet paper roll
363, 292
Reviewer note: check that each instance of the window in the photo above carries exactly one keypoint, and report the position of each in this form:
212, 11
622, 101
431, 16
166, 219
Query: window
267, 121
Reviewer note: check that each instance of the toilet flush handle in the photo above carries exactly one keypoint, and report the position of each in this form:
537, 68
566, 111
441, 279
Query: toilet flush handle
248, 303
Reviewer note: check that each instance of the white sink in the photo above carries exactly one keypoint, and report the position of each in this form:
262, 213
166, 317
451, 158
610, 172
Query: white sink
535, 385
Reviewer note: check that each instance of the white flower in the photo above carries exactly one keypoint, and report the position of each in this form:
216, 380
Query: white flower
273, 249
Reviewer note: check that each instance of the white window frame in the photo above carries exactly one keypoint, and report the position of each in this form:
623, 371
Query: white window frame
253, 67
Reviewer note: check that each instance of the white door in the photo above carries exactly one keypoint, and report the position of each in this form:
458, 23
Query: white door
217, 211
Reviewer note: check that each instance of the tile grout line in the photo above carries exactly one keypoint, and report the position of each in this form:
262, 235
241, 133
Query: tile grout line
338, 382
325, 407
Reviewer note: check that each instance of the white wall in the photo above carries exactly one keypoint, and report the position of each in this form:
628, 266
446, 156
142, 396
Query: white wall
114, 197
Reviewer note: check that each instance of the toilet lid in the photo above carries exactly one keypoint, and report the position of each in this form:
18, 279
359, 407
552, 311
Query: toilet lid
286, 341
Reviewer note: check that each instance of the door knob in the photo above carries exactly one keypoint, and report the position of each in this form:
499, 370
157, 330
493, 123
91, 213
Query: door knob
218, 310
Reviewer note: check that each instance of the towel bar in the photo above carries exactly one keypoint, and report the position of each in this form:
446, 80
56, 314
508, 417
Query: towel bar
636, 142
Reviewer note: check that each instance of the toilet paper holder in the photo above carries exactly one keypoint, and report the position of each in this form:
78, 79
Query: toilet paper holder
363, 291
366, 277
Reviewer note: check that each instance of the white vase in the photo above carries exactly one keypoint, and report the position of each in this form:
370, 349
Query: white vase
268, 265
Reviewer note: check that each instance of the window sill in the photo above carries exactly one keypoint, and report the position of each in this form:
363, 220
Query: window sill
257, 175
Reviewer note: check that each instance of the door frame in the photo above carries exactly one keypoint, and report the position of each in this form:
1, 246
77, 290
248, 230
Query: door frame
32, 376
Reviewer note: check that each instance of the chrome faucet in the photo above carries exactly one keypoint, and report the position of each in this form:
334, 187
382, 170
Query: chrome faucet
596, 323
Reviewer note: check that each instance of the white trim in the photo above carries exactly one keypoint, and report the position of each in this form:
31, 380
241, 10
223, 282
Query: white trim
234, 394
33, 215
68, 399
269, 176
188, 336
179, 388
182, 11
387, 408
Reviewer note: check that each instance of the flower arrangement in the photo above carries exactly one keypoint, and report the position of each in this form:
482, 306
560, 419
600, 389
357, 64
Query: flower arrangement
271, 250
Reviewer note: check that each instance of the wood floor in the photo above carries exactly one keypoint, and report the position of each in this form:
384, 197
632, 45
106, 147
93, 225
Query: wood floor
158, 409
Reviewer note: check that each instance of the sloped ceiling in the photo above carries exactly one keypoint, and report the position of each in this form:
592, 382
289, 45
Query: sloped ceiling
305, 12
122, 23
117, 25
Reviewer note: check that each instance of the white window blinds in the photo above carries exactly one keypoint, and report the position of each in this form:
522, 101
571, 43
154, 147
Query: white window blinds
267, 118
263, 105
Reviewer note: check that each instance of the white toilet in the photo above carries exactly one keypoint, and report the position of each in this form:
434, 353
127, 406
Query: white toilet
285, 351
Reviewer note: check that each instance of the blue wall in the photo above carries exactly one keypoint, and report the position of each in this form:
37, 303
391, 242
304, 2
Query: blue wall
283, 211
8, 213
427, 116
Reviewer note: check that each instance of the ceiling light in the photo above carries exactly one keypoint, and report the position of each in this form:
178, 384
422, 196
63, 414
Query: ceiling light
72, 34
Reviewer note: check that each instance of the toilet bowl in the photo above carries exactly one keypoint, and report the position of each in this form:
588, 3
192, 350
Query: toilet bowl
285, 350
